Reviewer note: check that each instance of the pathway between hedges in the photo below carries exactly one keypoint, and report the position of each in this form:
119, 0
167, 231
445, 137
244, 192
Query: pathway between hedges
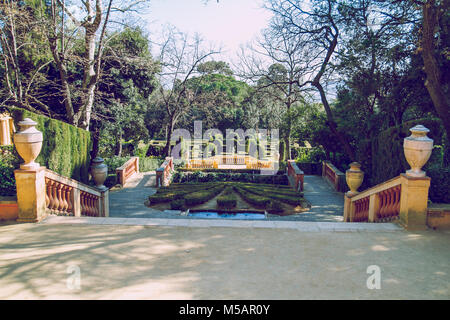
326, 204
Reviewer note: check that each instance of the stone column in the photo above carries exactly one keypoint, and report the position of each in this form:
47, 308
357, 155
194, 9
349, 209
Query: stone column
30, 185
5, 130
414, 202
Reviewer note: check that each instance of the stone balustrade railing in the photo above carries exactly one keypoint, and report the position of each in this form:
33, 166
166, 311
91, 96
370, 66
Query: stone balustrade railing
296, 176
215, 161
404, 198
127, 170
379, 203
64, 196
333, 175
164, 172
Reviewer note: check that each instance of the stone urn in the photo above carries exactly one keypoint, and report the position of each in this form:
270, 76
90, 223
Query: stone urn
99, 172
354, 177
417, 148
28, 143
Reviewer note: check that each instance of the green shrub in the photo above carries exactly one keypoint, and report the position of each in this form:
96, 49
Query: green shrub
287, 197
227, 199
200, 197
9, 160
275, 206
149, 163
256, 200
177, 204
440, 183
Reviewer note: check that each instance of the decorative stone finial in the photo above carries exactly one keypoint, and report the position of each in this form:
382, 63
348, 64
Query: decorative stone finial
28, 143
354, 177
417, 148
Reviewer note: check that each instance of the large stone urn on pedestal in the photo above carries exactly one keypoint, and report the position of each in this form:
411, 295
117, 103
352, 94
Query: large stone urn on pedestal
417, 148
28, 143
99, 172
354, 177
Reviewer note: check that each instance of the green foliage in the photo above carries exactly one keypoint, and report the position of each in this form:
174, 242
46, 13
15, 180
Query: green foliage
227, 199
65, 148
440, 183
387, 149
314, 154
199, 197
177, 204
202, 176
275, 207
256, 200
9, 160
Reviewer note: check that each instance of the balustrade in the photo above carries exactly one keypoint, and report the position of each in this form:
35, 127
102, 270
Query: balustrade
64, 196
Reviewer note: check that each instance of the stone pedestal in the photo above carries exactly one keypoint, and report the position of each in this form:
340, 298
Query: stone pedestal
30, 186
414, 201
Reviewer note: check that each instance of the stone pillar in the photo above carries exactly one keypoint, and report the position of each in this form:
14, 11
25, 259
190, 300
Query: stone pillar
5, 130
30, 186
414, 202
104, 201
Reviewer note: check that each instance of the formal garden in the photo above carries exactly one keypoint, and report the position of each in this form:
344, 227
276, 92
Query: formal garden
127, 100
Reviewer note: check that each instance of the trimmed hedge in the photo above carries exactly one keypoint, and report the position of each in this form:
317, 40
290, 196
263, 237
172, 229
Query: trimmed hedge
65, 149
200, 197
227, 199
287, 198
256, 200
275, 206
201, 176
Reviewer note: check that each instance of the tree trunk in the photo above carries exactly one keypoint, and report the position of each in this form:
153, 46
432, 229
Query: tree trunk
166, 150
433, 82
332, 124
119, 145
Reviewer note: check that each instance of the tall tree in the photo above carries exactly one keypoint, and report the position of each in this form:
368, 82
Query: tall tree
179, 57
435, 34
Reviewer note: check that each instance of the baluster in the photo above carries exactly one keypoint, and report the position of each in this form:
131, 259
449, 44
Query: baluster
388, 203
97, 207
69, 198
62, 201
397, 206
83, 202
55, 196
47, 192
382, 204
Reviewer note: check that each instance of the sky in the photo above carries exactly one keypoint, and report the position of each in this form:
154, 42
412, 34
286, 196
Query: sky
227, 24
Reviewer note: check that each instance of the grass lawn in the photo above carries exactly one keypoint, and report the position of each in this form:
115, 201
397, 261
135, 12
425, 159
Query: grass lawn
275, 199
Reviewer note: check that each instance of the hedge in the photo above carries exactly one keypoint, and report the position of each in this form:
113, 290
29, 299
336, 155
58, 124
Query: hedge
9, 160
256, 200
65, 148
387, 149
199, 197
227, 199
201, 176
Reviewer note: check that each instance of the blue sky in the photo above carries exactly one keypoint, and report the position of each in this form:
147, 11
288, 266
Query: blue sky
228, 23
